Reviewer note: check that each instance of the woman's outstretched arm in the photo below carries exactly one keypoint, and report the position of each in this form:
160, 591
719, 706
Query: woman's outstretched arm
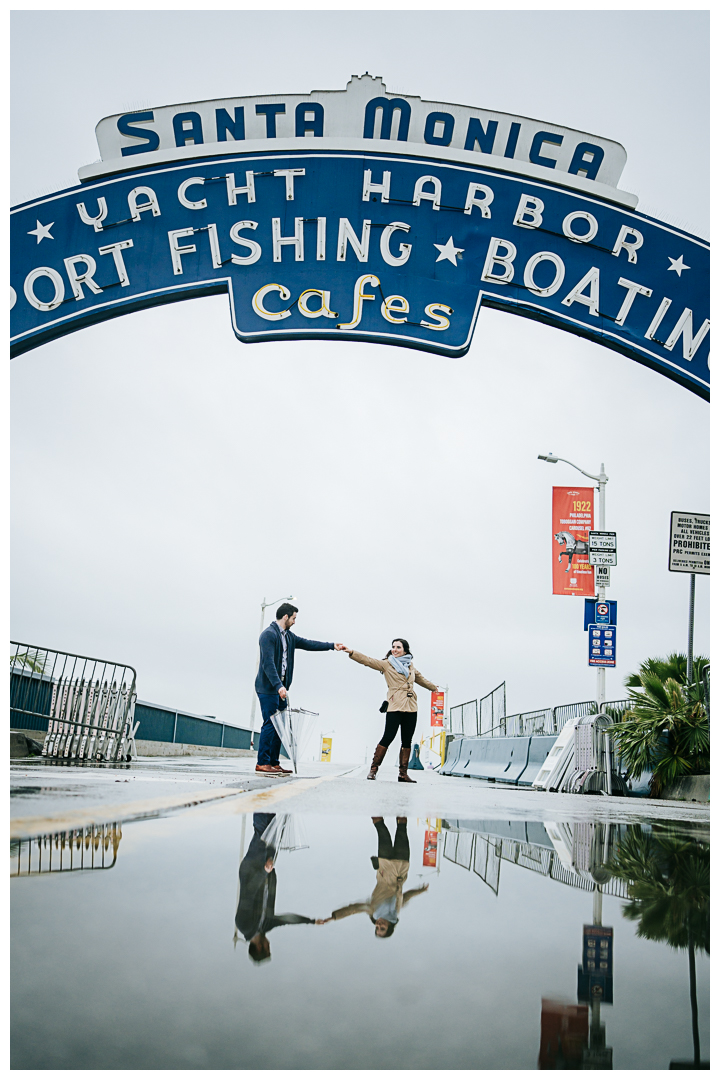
368, 661
423, 681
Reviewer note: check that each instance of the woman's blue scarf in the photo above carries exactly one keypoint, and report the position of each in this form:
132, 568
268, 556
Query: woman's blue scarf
402, 664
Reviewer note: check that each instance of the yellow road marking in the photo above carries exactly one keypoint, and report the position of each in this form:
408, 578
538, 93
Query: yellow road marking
258, 800
21, 828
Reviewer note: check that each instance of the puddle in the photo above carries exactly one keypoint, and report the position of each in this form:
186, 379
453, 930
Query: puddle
315, 942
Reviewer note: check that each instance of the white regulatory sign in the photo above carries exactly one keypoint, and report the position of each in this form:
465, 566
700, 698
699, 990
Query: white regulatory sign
602, 577
689, 543
602, 548
602, 541
602, 558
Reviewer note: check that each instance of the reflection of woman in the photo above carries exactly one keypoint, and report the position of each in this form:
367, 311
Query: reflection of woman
255, 916
400, 676
392, 865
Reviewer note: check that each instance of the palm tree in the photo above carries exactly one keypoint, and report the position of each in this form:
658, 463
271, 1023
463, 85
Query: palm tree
674, 667
666, 729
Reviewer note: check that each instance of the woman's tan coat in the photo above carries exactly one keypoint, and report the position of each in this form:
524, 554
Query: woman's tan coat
401, 694
391, 876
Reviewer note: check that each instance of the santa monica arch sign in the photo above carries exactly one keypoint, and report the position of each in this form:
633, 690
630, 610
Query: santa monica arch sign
365, 215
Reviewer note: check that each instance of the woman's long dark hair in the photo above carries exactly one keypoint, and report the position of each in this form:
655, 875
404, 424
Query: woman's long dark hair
402, 641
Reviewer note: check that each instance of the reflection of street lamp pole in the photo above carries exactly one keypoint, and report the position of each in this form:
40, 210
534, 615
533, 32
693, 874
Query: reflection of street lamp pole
602, 480
265, 604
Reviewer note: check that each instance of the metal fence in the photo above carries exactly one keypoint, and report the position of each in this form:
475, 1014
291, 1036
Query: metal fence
464, 718
94, 847
488, 716
85, 705
542, 721
491, 709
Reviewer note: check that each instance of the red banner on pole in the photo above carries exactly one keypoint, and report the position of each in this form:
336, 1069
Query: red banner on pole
572, 520
437, 708
430, 848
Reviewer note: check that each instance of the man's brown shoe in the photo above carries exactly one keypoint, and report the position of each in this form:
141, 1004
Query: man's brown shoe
273, 770
288, 771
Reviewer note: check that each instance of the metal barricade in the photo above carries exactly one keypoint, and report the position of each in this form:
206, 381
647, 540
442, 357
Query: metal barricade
563, 713
85, 705
616, 709
464, 718
93, 847
534, 722
491, 709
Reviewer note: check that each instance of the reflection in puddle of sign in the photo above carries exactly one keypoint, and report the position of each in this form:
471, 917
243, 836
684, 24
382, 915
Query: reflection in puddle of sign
265, 940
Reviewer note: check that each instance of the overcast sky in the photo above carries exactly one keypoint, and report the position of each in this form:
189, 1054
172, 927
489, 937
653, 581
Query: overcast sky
155, 502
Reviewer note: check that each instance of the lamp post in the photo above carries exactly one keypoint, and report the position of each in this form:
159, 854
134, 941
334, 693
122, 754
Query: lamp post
602, 480
265, 604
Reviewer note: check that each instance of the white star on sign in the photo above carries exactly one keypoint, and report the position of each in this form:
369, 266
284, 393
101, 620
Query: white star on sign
677, 265
448, 251
42, 231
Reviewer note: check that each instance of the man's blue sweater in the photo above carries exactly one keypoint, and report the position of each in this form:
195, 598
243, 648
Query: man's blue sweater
268, 679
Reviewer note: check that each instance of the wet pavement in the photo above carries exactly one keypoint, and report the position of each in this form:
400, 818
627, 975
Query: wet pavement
327, 922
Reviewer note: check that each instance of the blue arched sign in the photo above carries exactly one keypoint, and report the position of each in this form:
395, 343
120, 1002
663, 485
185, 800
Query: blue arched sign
395, 231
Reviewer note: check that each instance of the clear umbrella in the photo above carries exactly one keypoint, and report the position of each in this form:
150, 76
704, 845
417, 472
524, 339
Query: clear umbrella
295, 728
284, 833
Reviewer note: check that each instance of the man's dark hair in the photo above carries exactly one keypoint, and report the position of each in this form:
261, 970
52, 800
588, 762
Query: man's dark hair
283, 610
259, 952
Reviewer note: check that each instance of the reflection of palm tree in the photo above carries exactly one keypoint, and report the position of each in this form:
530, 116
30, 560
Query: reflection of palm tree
668, 879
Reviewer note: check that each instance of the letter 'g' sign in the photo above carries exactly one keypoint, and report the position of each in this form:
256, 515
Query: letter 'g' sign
386, 242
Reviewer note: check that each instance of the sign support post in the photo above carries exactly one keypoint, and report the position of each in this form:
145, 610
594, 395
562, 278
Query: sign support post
602, 481
689, 554
691, 629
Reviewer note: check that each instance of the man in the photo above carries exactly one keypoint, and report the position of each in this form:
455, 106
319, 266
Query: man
255, 916
275, 673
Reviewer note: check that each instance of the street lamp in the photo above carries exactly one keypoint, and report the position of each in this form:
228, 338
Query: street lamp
265, 604
602, 480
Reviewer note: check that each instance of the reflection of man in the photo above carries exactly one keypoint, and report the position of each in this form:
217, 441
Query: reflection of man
277, 658
255, 916
392, 865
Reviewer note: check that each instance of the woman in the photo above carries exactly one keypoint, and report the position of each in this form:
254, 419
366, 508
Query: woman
400, 676
392, 865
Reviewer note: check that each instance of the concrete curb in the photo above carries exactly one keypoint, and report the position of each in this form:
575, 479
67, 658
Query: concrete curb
688, 789
151, 748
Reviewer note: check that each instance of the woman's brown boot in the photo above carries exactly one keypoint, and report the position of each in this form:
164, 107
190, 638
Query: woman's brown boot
380, 752
403, 777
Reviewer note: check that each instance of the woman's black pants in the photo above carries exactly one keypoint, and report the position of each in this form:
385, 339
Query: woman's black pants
406, 721
386, 849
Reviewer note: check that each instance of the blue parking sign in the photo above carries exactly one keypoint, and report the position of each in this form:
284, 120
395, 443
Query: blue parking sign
602, 642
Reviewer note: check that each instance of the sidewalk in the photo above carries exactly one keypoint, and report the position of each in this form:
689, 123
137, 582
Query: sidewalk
46, 797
